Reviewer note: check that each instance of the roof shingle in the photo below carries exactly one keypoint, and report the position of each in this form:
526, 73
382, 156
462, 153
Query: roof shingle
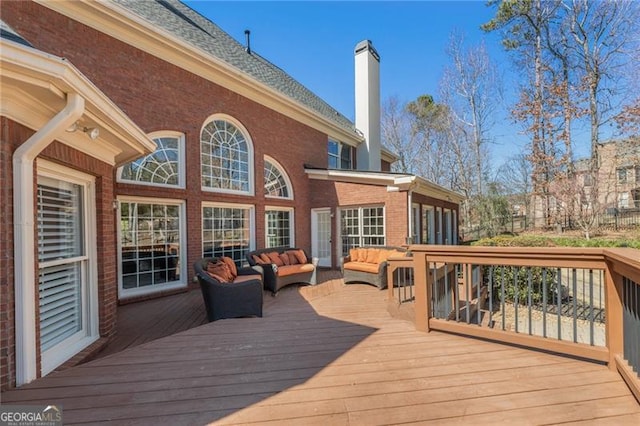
185, 23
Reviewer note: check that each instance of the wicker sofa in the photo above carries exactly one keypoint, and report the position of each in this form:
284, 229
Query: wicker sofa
239, 297
369, 264
280, 267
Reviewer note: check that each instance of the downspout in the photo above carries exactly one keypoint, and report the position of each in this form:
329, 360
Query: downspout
24, 234
410, 212
410, 215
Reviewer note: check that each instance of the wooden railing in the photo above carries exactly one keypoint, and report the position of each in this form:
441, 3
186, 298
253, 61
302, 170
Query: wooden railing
400, 277
583, 302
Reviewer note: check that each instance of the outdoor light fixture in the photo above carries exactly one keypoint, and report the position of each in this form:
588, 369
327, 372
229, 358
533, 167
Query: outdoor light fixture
92, 132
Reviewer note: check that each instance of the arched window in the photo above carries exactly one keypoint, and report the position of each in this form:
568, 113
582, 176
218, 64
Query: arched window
226, 156
163, 167
276, 181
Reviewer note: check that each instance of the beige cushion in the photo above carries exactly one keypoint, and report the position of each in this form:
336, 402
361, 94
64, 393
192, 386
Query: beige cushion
362, 267
283, 271
244, 278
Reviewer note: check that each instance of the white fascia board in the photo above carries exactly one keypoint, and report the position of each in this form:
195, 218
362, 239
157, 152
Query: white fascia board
401, 182
388, 155
354, 176
431, 189
26, 69
121, 24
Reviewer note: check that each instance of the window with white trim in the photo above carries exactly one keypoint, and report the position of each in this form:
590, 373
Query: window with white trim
428, 224
163, 167
151, 245
279, 227
226, 157
622, 173
340, 156
440, 225
448, 227
227, 230
276, 181
623, 200
67, 270
362, 226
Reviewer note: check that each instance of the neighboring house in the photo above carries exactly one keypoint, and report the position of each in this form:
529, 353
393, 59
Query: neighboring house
614, 188
619, 174
137, 137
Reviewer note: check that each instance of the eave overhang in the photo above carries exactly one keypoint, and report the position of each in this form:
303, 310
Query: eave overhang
393, 182
34, 88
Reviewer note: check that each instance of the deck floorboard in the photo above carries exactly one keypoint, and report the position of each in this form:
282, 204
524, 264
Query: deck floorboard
320, 357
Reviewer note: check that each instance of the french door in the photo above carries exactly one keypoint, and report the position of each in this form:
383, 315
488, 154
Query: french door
321, 236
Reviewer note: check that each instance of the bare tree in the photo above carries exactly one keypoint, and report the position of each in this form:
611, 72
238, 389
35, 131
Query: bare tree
471, 89
514, 177
429, 125
604, 34
523, 24
398, 135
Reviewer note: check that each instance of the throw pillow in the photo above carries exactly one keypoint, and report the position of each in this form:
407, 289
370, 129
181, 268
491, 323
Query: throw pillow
232, 266
354, 253
220, 269
383, 255
285, 259
372, 255
293, 260
275, 258
257, 259
265, 258
299, 254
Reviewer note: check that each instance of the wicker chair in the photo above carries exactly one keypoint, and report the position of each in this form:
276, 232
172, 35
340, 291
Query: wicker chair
229, 300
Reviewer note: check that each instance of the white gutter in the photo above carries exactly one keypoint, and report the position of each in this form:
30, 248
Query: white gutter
24, 234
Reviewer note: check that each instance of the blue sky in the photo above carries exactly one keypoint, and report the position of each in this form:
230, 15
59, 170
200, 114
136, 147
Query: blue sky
314, 42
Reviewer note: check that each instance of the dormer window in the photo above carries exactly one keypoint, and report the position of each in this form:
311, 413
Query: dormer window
340, 155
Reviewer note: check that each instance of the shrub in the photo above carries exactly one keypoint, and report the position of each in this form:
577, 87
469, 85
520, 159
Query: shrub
516, 284
543, 241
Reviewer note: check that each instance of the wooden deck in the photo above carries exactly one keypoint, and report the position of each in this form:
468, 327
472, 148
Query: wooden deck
331, 354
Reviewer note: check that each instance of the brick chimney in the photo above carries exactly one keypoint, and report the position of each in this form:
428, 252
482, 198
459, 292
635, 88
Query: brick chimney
367, 82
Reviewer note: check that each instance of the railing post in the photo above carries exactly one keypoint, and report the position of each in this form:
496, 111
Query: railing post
390, 270
422, 290
613, 308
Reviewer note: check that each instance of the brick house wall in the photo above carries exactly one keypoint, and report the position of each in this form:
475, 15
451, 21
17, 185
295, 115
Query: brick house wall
11, 137
158, 95
342, 194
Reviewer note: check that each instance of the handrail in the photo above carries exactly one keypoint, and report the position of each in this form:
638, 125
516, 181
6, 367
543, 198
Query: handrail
393, 264
564, 269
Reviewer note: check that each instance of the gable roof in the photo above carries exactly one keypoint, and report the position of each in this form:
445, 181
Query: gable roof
188, 25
